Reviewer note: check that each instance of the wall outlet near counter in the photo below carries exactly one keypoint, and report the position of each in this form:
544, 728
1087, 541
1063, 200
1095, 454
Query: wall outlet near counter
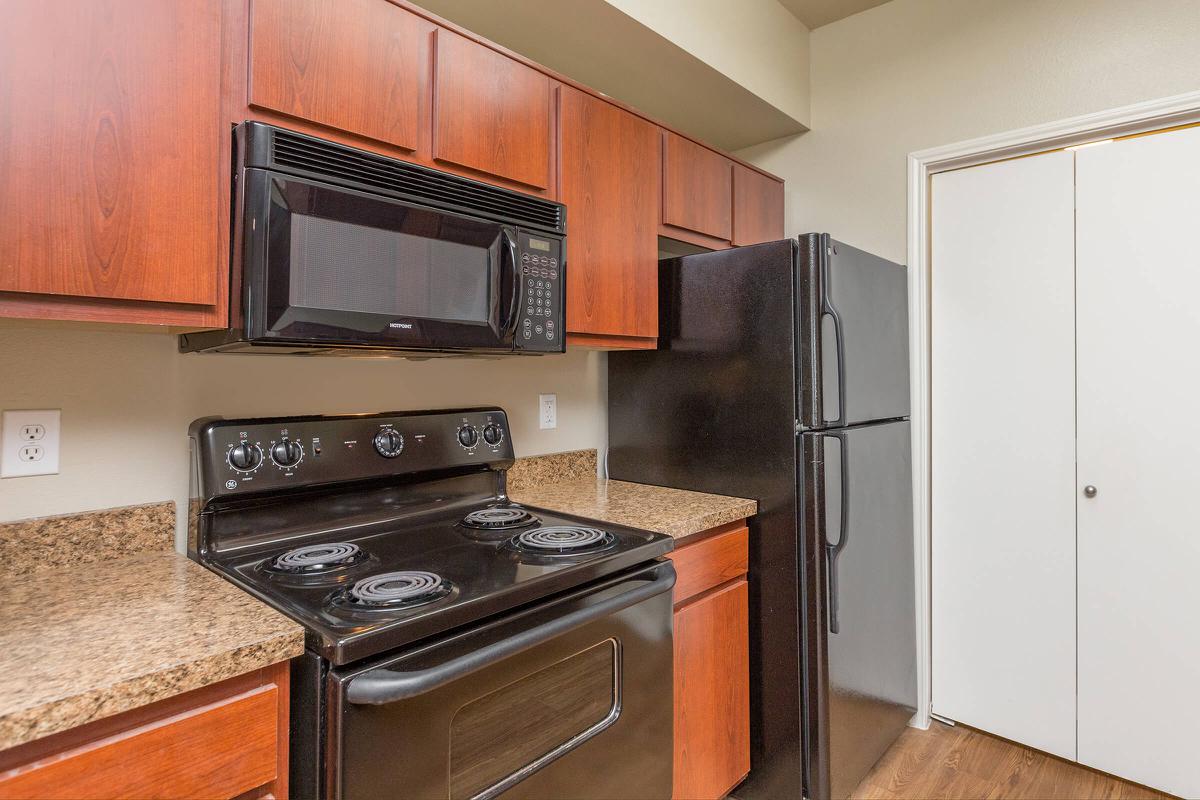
29, 443
547, 411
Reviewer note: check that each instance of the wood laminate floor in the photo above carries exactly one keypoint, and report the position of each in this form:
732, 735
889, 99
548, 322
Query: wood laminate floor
959, 763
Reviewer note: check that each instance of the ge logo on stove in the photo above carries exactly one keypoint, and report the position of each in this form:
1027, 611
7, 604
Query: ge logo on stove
231, 484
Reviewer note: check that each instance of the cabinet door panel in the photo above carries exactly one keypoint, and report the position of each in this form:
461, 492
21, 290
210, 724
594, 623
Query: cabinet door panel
712, 694
757, 207
697, 187
491, 113
109, 159
1139, 548
239, 738
353, 65
610, 178
1003, 450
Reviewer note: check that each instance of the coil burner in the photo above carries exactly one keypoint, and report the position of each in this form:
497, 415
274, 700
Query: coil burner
563, 540
394, 590
317, 559
499, 518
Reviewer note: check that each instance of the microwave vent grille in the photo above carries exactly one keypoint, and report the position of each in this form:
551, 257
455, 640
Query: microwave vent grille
410, 181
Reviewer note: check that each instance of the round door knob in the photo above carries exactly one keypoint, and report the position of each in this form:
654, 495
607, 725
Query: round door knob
389, 443
1089, 491
286, 453
493, 434
467, 436
244, 457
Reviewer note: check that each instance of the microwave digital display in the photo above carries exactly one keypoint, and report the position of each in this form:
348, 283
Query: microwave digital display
539, 244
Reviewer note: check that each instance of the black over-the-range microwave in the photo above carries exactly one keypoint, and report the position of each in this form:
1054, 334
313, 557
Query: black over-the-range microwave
340, 251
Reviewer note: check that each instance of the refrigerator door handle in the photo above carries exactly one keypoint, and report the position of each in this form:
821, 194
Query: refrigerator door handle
828, 310
833, 550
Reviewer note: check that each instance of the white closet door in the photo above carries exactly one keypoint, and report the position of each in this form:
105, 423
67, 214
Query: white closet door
1003, 449
1139, 445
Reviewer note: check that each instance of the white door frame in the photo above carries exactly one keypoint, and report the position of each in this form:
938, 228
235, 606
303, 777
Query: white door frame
1180, 109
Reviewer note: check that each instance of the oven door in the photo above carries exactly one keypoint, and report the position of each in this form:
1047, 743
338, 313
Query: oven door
571, 699
327, 265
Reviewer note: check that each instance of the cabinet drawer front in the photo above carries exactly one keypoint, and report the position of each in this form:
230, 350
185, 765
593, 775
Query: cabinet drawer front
697, 188
220, 750
712, 694
718, 557
352, 65
491, 113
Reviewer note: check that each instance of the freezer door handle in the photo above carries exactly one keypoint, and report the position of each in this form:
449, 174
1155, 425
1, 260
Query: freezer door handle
829, 310
834, 549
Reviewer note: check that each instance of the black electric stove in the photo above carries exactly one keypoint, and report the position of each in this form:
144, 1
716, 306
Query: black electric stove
390, 537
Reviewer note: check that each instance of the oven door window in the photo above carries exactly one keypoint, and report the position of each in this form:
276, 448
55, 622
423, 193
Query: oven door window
343, 267
496, 738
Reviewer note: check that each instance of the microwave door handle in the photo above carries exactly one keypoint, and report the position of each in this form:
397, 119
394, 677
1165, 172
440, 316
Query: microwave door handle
381, 686
509, 239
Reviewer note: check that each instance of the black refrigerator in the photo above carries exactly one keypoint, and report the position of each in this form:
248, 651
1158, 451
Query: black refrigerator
781, 374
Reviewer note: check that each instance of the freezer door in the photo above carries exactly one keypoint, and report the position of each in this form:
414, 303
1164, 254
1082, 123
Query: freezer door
858, 515
854, 326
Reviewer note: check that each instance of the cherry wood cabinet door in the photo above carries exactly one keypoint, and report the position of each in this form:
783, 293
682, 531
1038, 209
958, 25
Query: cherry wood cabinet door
712, 694
351, 65
757, 207
228, 739
490, 112
110, 144
610, 178
697, 188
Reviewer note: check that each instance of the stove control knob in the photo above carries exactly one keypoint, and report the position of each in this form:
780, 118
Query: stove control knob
286, 453
245, 457
468, 437
389, 443
493, 434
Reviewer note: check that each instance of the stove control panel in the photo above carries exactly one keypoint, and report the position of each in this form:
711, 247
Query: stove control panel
233, 457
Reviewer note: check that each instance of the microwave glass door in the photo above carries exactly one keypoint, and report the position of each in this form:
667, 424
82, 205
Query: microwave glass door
341, 266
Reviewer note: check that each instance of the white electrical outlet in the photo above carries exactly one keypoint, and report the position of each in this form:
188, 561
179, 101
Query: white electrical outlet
547, 411
29, 442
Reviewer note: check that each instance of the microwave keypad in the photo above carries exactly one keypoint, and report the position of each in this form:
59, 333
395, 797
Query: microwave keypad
541, 323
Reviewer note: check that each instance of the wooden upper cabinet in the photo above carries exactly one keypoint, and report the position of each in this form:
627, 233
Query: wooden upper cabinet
757, 207
490, 112
352, 65
110, 155
610, 185
697, 188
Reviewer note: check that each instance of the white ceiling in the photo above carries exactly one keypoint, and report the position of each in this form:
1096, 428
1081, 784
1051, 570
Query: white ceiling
815, 13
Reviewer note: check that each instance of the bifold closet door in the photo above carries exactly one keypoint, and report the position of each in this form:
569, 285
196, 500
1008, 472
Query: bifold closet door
1138, 223
1003, 449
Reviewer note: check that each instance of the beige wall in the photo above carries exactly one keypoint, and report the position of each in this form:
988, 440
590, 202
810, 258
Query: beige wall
757, 43
127, 399
913, 74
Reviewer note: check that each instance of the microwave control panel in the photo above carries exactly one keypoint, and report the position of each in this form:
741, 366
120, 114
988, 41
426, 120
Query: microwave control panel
541, 271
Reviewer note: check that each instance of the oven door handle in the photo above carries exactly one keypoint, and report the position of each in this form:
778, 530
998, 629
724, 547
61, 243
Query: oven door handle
380, 686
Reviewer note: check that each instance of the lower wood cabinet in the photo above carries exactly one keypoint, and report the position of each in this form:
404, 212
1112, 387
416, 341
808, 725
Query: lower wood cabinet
712, 668
223, 741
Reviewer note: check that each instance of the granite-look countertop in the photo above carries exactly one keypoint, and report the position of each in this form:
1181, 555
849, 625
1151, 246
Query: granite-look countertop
676, 512
83, 642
